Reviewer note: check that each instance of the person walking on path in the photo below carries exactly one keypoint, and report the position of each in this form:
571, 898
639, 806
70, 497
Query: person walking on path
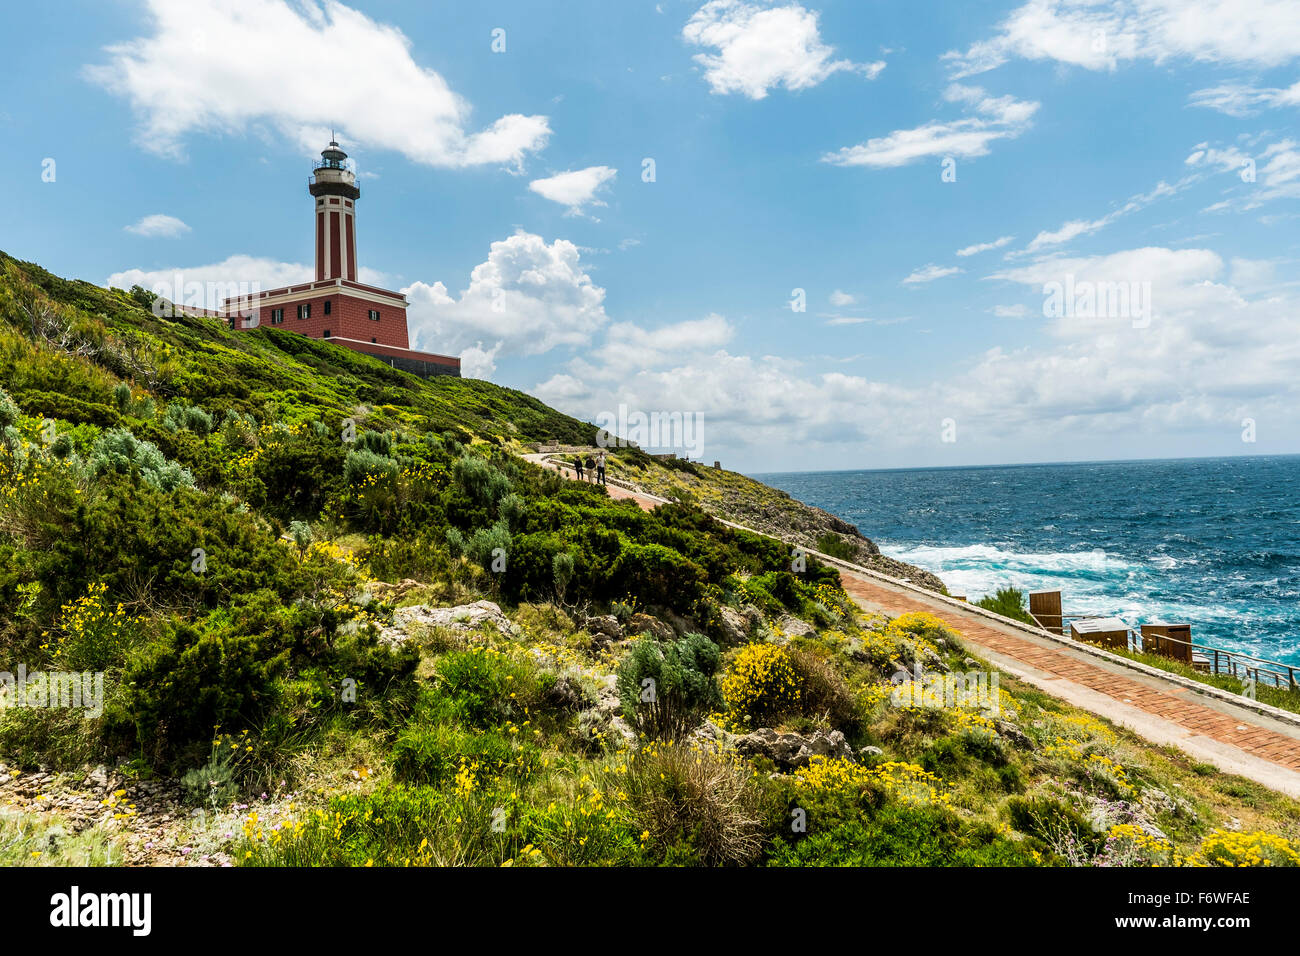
591, 467
600, 467
577, 464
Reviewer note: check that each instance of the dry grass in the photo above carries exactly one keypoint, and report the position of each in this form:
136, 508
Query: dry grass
687, 794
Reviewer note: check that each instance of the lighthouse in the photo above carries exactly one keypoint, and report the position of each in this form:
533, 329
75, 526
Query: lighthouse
335, 306
334, 187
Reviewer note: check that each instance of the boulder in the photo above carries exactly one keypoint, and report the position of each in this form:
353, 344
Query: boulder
1013, 734
604, 731
792, 751
604, 625
712, 737
735, 626
792, 626
567, 694
465, 619
645, 624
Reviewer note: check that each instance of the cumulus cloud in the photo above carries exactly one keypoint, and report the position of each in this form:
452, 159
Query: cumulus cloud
760, 47
1211, 355
158, 226
208, 66
529, 297
840, 299
995, 118
576, 188
1105, 34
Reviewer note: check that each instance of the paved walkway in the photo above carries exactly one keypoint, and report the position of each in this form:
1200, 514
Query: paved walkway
1230, 736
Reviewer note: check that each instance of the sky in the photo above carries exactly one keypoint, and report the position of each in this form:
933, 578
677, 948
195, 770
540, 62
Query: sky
822, 234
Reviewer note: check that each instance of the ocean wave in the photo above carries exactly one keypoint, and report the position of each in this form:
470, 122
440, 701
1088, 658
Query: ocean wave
987, 556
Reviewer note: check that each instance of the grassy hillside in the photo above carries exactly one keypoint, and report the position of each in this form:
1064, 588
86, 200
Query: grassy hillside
751, 503
330, 590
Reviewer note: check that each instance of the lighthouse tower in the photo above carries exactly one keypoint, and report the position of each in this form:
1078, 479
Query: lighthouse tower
335, 187
335, 306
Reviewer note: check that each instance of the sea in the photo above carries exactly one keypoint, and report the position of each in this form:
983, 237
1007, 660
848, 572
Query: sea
1210, 542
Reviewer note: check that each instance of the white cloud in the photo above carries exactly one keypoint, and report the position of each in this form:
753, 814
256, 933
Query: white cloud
1010, 311
840, 299
985, 246
1280, 174
527, 298
929, 273
760, 47
1224, 159
225, 66
1242, 100
1075, 228
1276, 171
159, 226
1210, 356
997, 117
576, 188
478, 362
1103, 34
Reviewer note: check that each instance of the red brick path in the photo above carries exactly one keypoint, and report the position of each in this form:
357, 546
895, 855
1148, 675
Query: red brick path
1174, 703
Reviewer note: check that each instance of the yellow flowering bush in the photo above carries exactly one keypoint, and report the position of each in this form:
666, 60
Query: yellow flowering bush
92, 634
762, 683
1075, 740
1225, 848
1127, 844
906, 782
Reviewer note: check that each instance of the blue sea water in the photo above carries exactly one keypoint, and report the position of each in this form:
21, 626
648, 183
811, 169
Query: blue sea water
1211, 542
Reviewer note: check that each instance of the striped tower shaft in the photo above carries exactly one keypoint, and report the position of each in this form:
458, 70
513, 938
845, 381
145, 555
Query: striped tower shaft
336, 241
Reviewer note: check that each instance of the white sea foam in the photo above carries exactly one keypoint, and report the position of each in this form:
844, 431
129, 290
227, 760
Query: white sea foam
1090, 582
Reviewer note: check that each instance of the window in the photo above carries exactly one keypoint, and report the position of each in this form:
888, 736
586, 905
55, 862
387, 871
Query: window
374, 315
304, 311
327, 333
277, 316
327, 306
374, 340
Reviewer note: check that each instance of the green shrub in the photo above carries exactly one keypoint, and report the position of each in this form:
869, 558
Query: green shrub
362, 463
121, 452
899, 835
665, 688
488, 547
835, 546
193, 680
490, 688
8, 411
660, 575
1056, 824
562, 570
1009, 602
432, 754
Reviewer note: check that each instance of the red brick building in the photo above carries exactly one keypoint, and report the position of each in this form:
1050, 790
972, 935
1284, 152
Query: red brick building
336, 306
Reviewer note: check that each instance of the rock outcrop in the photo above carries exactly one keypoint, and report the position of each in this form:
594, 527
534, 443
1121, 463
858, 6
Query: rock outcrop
465, 619
792, 751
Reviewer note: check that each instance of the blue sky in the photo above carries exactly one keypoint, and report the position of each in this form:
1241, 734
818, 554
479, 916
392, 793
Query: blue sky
1142, 147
